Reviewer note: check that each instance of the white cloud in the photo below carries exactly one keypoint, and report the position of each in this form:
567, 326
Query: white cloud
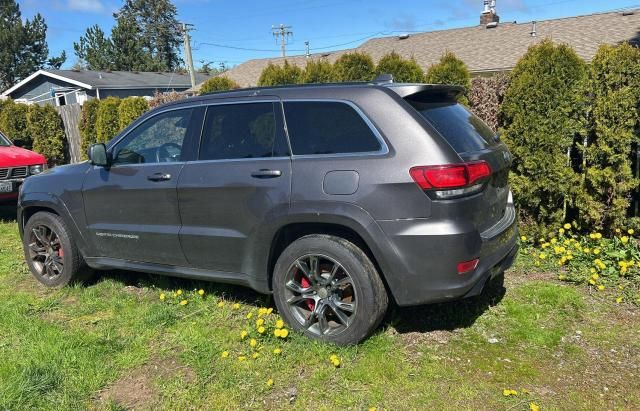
86, 5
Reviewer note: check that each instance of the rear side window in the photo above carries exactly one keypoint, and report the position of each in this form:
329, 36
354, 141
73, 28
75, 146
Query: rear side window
463, 131
234, 131
317, 127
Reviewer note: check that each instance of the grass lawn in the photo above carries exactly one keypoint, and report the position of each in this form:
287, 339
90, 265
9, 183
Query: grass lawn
113, 344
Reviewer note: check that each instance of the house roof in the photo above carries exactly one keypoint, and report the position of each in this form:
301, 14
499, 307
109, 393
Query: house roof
114, 79
482, 49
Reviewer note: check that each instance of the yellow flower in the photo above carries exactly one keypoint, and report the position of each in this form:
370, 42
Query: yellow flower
279, 324
587, 250
623, 270
523, 238
269, 310
224, 354
242, 358
179, 292
592, 281
184, 302
508, 393
277, 332
253, 342
221, 304
562, 277
567, 226
569, 257
619, 300
592, 236
598, 236
373, 409
236, 306
269, 382
601, 287
243, 335
624, 239
617, 230
162, 297
545, 245
284, 333
201, 292
554, 240
249, 316
277, 351
261, 330
335, 361
534, 407
255, 355
259, 322
542, 256
262, 311
596, 251
593, 270
622, 263
630, 231
561, 231
595, 276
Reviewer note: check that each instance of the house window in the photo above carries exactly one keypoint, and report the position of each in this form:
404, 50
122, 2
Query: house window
61, 99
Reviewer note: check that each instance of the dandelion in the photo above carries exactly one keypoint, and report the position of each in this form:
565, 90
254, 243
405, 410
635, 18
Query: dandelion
334, 360
277, 351
259, 322
592, 281
373, 409
619, 300
284, 333
630, 231
596, 251
523, 238
269, 382
269, 310
554, 240
542, 256
624, 239
253, 342
567, 226
508, 393
236, 306
562, 277
262, 311
243, 334
179, 292
601, 287
242, 358
595, 276
221, 304
184, 302
261, 330
201, 292
279, 324
586, 250
162, 297
598, 236
224, 354
561, 231
534, 407
249, 316
255, 355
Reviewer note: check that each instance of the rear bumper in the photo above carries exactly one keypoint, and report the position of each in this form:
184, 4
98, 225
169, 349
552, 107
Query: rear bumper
425, 255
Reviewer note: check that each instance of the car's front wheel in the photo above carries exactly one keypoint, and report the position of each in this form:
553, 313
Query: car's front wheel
328, 288
50, 251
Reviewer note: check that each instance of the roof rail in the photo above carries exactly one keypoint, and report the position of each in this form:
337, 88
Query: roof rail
384, 78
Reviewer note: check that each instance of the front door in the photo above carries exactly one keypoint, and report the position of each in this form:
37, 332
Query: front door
241, 180
132, 207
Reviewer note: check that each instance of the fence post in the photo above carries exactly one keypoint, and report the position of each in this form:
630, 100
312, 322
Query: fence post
71, 119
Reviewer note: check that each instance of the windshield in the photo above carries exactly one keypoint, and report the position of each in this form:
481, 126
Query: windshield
4, 142
463, 131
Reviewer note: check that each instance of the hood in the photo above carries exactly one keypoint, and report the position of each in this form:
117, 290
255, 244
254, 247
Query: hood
12, 156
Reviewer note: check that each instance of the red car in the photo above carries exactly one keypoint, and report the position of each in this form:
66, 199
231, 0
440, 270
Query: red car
16, 164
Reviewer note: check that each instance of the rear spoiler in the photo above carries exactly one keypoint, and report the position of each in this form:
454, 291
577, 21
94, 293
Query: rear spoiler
426, 92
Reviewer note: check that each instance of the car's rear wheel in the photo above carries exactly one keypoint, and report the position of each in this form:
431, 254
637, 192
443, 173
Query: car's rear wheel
327, 288
50, 251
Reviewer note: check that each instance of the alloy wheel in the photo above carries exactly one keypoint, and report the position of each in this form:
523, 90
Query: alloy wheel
45, 251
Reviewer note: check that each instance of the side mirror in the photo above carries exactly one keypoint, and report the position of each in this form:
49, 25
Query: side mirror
98, 155
19, 143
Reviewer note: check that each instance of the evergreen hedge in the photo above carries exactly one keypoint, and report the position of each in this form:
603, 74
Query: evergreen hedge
218, 83
130, 109
485, 98
449, 70
354, 67
614, 87
276, 75
47, 129
108, 121
543, 112
318, 71
403, 71
88, 120
13, 122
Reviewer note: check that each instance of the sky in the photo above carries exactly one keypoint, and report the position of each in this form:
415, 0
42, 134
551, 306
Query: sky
233, 31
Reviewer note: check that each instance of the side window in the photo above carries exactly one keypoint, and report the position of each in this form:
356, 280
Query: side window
317, 127
248, 130
160, 139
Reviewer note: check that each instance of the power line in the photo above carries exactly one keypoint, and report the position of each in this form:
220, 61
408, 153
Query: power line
282, 33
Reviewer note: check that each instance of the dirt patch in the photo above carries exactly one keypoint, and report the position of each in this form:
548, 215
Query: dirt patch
137, 390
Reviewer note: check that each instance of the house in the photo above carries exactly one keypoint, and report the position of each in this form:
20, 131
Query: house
61, 87
492, 46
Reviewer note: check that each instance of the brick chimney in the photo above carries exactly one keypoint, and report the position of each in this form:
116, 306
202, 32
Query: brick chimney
489, 14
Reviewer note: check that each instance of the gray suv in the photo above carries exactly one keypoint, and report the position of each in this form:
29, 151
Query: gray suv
334, 198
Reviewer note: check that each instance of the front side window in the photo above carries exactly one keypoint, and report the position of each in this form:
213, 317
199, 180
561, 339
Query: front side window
318, 127
247, 130
160, 139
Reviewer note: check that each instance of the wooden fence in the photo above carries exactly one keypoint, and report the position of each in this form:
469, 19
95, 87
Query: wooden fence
71, 118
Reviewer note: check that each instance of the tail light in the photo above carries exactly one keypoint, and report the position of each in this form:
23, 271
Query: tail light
452, 180
467, 266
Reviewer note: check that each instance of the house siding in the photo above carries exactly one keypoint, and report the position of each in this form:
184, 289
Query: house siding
39, 90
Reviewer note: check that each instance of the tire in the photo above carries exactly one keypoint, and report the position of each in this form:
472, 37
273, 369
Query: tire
57, 263
345, 280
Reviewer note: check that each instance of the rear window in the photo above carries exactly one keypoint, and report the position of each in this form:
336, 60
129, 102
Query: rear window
317, 127
463, 131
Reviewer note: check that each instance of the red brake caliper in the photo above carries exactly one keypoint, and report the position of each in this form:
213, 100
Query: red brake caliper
304, 282
60, 253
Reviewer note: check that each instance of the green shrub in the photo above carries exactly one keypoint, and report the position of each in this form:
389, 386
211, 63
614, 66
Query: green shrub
403, 71
543, 113
87, 126
354, 67
486, 96
218, 83
130, 109
614, 85
276, 75
318, 71
450, 70
108, 122
13, 122
45, 125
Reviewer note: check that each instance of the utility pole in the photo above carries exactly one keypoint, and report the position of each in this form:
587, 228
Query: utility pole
283, 33
187, 52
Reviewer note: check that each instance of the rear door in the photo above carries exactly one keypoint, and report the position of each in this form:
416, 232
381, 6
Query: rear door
473, 140
241, 180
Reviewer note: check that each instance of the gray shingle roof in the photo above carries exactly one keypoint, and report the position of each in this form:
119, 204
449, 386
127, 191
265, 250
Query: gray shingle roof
482, 49
126, 79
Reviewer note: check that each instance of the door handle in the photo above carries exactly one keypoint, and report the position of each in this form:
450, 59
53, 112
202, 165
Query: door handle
159, 177
265, 173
